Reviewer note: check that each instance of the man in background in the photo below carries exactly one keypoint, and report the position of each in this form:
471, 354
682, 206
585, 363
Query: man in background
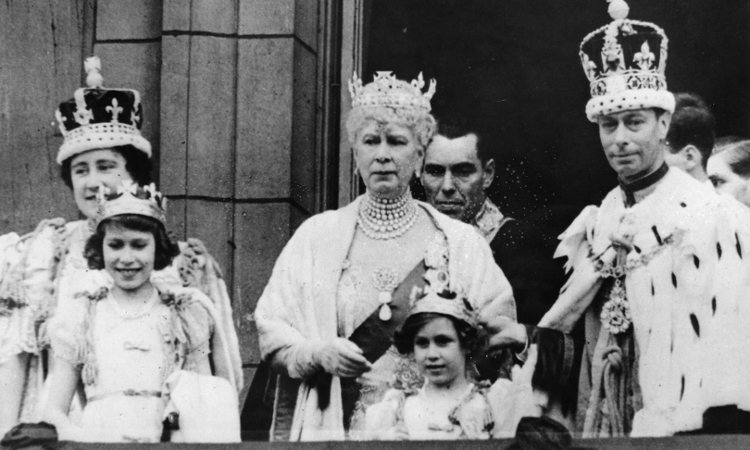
691, 136
458, 171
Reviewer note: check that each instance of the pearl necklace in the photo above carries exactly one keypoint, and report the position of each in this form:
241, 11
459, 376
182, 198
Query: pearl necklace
382, 218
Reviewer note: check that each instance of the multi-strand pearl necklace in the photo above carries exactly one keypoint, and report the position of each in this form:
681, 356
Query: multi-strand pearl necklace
382, 218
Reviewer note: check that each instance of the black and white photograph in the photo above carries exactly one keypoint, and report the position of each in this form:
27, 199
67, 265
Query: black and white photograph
524, 224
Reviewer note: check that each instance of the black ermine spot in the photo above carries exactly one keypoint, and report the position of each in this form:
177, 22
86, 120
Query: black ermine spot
657, 235
695, 324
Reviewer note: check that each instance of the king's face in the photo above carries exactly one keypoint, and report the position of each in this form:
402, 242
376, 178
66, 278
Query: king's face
632, 141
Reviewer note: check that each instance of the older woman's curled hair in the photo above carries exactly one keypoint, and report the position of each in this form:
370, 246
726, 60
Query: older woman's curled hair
422, 124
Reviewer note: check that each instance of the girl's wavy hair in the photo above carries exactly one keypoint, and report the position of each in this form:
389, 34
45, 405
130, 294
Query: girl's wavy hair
422, 124
166, 247
472, 339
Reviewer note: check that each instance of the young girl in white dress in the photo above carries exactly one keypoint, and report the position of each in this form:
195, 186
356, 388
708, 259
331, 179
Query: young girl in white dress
124, 338
441, 334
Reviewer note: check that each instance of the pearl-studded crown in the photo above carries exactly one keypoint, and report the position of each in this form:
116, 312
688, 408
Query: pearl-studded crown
98, 117
624, 62
131, 199
386, 90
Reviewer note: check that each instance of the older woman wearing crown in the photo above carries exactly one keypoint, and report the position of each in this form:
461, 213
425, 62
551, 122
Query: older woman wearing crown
102, 146
341, 286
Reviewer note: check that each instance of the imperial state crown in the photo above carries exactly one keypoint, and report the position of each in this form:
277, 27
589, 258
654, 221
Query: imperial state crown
624, 62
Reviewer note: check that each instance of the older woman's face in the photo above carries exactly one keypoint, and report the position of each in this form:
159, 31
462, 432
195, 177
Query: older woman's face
726, 181
94, 168
387, 156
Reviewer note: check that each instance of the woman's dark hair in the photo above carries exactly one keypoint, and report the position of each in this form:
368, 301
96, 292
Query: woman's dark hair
137, 163
471, 338
166, 247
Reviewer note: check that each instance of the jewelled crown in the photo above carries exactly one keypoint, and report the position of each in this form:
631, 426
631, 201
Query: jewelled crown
97, 117
386, 90
624, 62
437, 297
131, 199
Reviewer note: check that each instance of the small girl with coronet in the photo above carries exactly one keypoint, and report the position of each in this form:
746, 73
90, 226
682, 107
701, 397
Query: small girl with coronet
125, 335
442, 335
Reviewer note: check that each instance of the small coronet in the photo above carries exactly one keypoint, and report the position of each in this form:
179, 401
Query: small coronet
130, 198
436, 297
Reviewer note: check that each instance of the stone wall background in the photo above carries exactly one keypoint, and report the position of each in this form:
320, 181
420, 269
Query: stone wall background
238, 105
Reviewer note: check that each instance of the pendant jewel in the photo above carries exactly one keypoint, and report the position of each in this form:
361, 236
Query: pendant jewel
615, 315
385, 313
385, 281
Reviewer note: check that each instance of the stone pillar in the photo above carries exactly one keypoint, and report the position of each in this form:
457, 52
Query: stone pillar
127, 38
42, 45
238, 124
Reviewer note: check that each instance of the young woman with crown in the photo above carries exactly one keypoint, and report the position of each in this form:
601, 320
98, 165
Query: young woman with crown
124, 339
340, 287
102, 146
442, 335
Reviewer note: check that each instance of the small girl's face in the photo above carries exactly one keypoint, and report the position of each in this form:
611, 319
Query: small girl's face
128, 256
438, 352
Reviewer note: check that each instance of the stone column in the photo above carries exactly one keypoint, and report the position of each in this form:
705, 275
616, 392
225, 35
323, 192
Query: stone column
238, 124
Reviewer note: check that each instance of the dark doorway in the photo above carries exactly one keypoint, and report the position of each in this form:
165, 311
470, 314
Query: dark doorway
513, 65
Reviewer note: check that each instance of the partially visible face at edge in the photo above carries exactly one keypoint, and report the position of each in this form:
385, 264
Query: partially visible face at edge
725, 181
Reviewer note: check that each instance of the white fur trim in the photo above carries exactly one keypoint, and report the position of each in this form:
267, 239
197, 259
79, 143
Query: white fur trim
101, 135
627, 100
